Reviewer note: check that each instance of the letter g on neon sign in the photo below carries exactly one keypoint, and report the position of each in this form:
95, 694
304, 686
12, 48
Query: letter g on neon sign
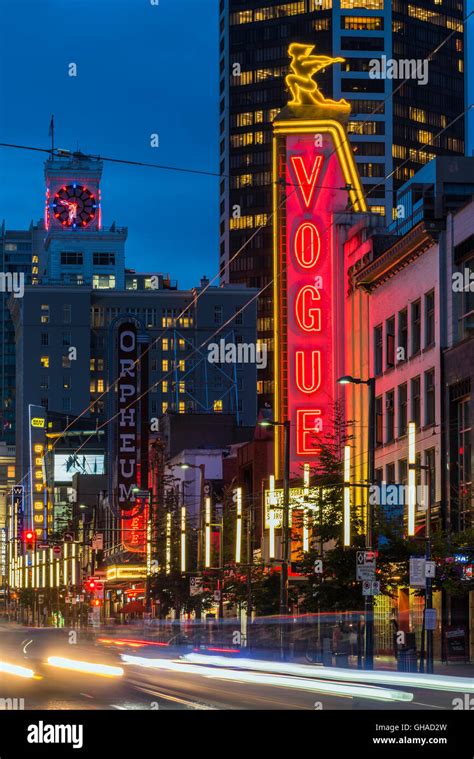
308, 316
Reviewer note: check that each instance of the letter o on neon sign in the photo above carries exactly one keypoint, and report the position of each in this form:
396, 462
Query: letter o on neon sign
307, 245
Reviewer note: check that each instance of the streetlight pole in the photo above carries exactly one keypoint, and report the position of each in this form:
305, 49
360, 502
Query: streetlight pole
285, 528
369, 531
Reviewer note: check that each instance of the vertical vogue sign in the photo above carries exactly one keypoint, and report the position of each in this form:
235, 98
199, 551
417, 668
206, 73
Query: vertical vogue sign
317, 165
309, 293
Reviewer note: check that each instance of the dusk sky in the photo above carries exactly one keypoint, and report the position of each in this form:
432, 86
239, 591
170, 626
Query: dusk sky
142, 69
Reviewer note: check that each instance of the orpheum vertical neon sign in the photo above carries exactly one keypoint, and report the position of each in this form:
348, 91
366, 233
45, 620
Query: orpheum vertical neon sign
314, 160
127, 450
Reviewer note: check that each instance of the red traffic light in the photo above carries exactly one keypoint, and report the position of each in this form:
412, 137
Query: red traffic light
29, 538
90, 586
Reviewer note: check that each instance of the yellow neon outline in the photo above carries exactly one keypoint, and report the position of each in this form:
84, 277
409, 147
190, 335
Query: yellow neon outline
300, 82
349, 170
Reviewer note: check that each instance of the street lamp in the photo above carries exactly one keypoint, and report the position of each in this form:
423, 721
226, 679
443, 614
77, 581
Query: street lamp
369, 533
285, 525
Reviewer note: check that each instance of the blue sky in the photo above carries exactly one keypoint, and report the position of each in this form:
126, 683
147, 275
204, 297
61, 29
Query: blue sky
142, 69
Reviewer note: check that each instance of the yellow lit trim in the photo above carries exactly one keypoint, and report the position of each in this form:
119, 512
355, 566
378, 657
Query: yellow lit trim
347, 495
207, 553
411, 477
168, 543
126, 572
300, 82
183, 539
238, 536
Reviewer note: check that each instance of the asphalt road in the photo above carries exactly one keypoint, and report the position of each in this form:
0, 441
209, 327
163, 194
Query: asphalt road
175, 683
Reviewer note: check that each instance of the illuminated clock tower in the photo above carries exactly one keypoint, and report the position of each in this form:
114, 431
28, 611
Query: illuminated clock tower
78, 249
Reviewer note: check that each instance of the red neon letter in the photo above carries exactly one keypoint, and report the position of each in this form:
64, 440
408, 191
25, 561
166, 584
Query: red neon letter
307, 245
308, 317
308, 424
306, 184
301, 363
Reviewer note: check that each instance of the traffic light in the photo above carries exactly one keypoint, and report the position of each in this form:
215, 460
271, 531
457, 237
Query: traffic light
29, 538
90, 586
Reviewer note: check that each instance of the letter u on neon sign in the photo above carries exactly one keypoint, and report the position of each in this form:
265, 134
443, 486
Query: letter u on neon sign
302, 382
307, 245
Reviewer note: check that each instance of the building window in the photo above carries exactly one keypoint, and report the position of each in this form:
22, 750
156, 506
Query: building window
44, 339
430, 475
402, 335
390, 474
238, 315
71, 259
103, 259
218, 314
378, 421
66, 313
165, 365
66, 381
402, 410
463, 454
415, 327
390, 415
66, 338
66, 362
390, 341
403, 472
45, 403
100, 385
415, 392
44, 360
66, 404
44, 314
378, 350
430, 404
218, 406
164, 407
429, 319
44, 382
103, 281
182, 407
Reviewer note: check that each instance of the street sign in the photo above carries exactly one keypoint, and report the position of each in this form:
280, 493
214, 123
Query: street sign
430, 569
365, 558
68, 537
195, 586
417, 572
43, 546
57, 550
370, 588
98, 542
365, 573
318, 567
430, 619
18, 490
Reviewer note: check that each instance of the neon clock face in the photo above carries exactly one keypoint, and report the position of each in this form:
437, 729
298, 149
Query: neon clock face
74, 206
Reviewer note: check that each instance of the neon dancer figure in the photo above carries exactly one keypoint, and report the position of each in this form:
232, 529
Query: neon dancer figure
301, 84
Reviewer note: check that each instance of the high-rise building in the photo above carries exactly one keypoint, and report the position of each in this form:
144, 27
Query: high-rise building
393, 129
19, 255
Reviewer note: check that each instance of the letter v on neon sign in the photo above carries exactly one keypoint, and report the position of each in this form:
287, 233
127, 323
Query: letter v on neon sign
306, 184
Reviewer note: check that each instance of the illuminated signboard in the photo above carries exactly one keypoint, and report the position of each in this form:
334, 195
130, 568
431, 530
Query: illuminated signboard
127, 464
315, 178
66, 466
37, 515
